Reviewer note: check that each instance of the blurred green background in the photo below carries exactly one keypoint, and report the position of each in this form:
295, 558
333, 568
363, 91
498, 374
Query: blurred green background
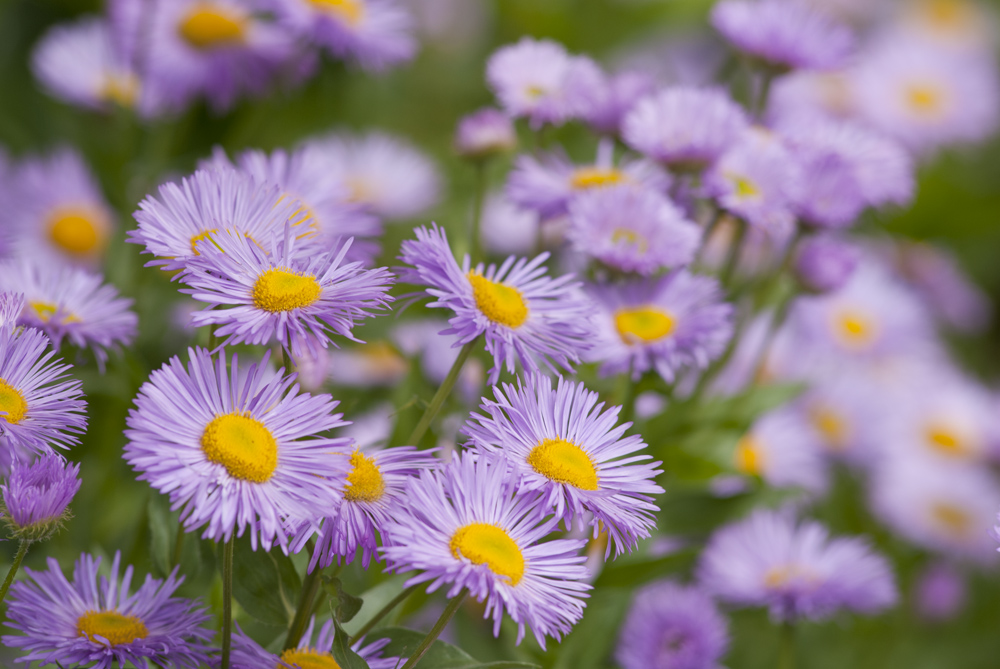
958, 206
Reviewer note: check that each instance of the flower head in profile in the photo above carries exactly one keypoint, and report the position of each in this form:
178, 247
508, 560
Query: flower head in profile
485, 133
374, 33
784, 34
73, 304
235, 448
825, 263
780, 448
40, 405
468, 526
667, 324
671, 626
296, 295
685, 128
796, 569
525, 316
36, 496
309, 654
69, 224
375, 486
97, 620
632, 229
562, 443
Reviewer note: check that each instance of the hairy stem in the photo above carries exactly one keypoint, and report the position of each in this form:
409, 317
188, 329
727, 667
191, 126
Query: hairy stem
227, 600
435, 632
383, 612
310, 586
22, 550
441, 395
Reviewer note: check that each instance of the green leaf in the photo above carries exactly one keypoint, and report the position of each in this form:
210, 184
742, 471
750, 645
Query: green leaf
591, 641
342, 653
343, 605
265, 583
630, 572
161, 535
440, 655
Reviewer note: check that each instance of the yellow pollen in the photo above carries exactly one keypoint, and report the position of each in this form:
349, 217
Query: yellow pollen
565, 462
951, 519
780, 576
594, 177
535, 92
308, 658
925, 99
643, 324
12, 403
360, 191
350, 11
122, 89
949, 14
113, 626
499, 302
280, 289
749, 456
46, 310
626, 236
365, 483
854, 329
75, 231
945, 441
204, 234
208, 25
744, 187
243, 445
481, 543
830, 425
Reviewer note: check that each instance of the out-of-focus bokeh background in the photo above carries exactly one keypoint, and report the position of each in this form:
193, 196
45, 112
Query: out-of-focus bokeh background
957, 206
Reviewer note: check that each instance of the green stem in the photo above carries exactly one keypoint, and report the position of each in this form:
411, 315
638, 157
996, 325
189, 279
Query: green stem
310, 586
733, 256
435, 632
627, 397
786, 657
227, 599
286, 361
22, 550
383, 612
178, 545
760, 104
475, 232
441, 395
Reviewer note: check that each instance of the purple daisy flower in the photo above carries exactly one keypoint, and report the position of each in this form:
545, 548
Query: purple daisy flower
940, 593
562, 444
795, 569
632, 229
71, 223
605, 102
668, 324
468, 526
760, 181
684, 128
671, 626
824, 264
248, 654
375, 33
36, 497
42, 406
100, 624
235, 448
206, 203
293, 295
485, 133
71, 303
219, 49
780, 449
383, 173
783, 33
525, 316
81, 64
549, 182
538, 80
374, 490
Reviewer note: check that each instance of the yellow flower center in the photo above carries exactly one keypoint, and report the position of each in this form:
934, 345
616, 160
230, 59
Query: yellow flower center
481, 543
365, 482
925, 99
111, 625
831, 426
308, 658
595, 177
854, 328
624, 235
949, 15
204, 234
499, 302
782, 575
744, 188
280, 289
12, 403
565, 462
951, 519
122, 89
208, 25
643, 324
243, 445
75, 231
349, 11
749, 456
46, 310
946, 441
